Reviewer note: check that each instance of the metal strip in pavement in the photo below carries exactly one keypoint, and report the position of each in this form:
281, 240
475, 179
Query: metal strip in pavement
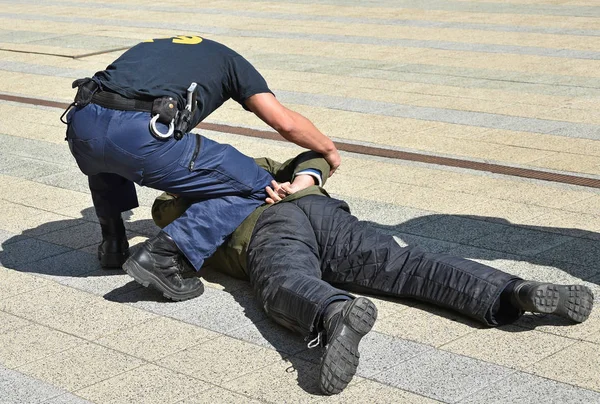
372, 151
66, 56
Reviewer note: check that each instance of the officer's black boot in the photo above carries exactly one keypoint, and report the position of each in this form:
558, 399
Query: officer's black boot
345, 323
158, 262
573, 302
114, 248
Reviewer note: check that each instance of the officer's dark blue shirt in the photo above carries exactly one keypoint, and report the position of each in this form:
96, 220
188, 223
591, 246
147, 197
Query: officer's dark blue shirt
167, 67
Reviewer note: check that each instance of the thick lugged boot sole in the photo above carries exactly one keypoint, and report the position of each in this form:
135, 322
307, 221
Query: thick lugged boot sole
112, 260
573, 302
341, 358
146, 279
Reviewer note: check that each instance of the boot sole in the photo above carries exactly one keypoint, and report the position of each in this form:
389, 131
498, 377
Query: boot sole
573, 302
146, 279
341, 358
112, 260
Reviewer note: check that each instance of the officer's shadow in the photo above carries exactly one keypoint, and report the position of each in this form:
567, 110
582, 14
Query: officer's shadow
52, 250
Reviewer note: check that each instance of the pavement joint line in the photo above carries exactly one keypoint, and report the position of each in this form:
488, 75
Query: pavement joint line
434, 24
439, 45
376, 151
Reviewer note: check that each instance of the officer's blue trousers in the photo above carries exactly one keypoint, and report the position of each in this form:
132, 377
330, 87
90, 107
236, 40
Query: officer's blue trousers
116, 149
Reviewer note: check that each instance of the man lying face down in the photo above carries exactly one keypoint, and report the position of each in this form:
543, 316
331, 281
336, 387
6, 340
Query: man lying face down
304, 253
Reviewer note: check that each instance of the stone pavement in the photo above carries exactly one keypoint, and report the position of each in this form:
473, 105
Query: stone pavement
513, 82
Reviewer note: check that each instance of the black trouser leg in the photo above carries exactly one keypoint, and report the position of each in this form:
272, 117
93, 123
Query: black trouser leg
356, 257
284, 268
112, 194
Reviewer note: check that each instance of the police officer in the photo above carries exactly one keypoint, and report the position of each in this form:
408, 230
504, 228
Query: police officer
130, 124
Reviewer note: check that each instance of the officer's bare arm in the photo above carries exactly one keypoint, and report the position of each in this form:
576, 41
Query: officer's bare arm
293, 127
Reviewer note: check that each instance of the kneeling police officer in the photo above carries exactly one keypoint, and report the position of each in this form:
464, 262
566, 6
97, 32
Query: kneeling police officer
130, 124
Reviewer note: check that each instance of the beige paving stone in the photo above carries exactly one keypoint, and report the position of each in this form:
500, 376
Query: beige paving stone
56, 299
219, 395
513, 212
9, 322
38, 131
514, 347
586, 331
560, 221
427, 326
31, 343
14, 283
79, 367
577, 365
519, 155
96, 320
538, 141
368, 391
570, 162
385, 308
7, 184
548, 195
145, 384
435, 200
589, 206
16, 218
220, 359
156, 338
46, 197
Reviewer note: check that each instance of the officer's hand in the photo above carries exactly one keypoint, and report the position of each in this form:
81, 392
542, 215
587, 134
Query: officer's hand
334, 160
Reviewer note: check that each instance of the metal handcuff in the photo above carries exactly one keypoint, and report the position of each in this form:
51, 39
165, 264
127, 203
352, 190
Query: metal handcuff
178, 126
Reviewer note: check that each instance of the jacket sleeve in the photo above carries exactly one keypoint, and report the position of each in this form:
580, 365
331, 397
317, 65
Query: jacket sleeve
304, 161
167, 208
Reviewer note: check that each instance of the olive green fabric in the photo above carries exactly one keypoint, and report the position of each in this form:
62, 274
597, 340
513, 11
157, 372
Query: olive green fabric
230, 258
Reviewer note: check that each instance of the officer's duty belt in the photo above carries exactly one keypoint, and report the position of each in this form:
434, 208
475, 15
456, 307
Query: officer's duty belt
112, 100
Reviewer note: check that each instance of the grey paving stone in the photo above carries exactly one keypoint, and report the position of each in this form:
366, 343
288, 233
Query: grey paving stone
51, 225
388, 215
524, 388
453, 228
71, 179
29, 168
576, 251
558, 272
214, 310
63, 266
77, 236
99, 282
269, 334
17, 388
520, 240
38, 150
442, 376
15, 255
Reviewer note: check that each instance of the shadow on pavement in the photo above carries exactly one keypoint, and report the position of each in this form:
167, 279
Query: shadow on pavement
44, 250
570, 250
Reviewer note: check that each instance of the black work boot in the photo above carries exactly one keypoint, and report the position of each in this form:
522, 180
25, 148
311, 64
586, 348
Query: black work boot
114, 248
160, 263
345, 324
573, 302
